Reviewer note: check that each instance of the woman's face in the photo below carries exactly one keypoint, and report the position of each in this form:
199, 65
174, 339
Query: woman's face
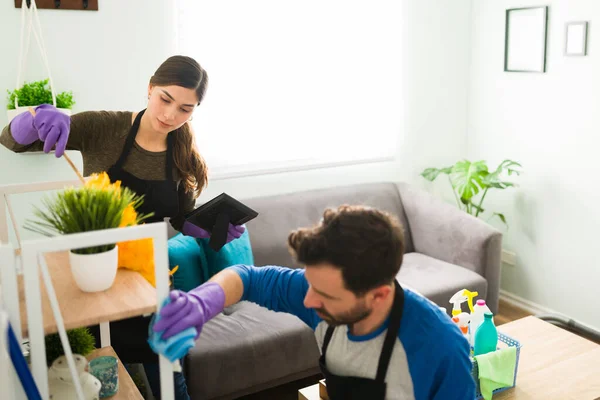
169, 107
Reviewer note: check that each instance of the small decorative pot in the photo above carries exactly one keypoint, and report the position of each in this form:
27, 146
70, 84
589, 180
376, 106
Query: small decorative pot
106, 369
60, 381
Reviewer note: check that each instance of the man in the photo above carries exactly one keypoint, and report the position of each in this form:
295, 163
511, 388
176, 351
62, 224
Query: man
378, 341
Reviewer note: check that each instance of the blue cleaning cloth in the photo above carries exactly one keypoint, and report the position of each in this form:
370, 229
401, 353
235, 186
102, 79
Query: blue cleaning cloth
175, 347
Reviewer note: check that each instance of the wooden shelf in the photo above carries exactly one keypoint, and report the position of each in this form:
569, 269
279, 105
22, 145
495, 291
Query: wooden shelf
127, 389
131, 295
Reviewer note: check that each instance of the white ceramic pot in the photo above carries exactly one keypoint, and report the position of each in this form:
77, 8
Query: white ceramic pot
13, 113
60, 381
95, 272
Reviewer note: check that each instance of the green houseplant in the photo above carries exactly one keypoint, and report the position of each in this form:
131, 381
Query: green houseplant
471, 182
80, 339
97, 205
33, 94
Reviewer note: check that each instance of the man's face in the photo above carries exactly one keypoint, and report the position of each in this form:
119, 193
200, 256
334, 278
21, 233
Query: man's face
335, 304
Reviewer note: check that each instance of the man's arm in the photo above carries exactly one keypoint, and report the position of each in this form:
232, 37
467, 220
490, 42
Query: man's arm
452, 379
276, 288
232, 285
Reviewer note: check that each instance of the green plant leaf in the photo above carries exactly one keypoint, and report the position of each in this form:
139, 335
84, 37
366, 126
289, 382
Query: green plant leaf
81, 341
432, 173
494, 179
502, 217
36, 93
467, 178
84, 209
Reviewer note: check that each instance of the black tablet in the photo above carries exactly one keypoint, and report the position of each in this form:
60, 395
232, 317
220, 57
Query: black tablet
215, 216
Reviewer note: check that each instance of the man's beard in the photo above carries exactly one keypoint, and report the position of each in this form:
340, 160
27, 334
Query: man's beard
357, 314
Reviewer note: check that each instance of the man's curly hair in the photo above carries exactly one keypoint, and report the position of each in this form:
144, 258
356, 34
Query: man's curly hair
366, 244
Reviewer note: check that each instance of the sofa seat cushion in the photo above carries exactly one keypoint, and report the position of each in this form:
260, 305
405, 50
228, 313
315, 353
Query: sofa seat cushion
248, 345
438, 280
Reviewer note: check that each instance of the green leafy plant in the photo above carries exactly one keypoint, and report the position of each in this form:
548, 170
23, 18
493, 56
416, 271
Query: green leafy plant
80, 339
97, 205
36, 93
472, 179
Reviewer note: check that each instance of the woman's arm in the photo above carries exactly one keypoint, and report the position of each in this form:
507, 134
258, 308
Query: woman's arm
87, 131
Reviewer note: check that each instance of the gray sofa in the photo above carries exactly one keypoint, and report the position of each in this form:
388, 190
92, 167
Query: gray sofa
249, 348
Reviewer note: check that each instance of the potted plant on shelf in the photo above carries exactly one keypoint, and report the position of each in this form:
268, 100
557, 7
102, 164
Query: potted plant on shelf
471, 182
80, 339
33, 94
99, 204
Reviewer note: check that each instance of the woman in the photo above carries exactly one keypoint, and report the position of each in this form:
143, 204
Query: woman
152, 152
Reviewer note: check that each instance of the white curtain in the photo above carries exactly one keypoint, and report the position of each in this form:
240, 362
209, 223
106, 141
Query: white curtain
295, 84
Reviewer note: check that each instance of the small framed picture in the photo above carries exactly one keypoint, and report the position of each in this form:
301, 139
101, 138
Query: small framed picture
526, 30
576, 38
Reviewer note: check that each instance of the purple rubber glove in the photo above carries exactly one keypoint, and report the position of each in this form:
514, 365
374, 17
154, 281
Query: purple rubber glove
233, 232
191, 309
22, 129
53, 128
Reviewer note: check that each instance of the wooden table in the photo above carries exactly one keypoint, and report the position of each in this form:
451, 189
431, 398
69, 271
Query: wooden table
554, 364
130, 295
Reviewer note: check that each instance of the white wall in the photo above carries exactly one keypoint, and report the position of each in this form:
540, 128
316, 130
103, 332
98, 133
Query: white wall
550, 123
107, 57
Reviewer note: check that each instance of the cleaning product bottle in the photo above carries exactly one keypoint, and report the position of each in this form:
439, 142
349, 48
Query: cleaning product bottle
477, 317
460, 297
462, 321
486, 336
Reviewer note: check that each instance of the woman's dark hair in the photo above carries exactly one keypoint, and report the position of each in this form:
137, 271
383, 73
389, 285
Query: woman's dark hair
185, 72
366, 244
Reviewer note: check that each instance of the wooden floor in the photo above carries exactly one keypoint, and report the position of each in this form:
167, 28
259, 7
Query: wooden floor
289, 391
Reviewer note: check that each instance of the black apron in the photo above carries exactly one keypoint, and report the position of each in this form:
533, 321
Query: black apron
355, 388
129, 336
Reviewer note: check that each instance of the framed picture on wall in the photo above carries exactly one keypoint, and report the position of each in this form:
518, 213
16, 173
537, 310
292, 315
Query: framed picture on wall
526, 31
576, 38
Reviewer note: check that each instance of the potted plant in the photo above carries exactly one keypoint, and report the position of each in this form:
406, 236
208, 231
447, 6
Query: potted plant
99, 204
33, 94
80, 339
471, 182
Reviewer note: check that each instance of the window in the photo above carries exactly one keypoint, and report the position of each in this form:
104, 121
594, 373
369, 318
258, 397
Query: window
294, 84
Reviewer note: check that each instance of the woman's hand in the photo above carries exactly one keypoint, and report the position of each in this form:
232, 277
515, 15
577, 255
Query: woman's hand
233, 232
48, 125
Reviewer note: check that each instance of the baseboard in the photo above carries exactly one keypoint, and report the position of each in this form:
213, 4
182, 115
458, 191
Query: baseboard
534, 308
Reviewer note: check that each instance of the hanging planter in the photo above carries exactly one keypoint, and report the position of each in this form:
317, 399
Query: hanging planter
40, 92
33, 94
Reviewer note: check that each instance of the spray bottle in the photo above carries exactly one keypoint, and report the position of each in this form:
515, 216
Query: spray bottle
462, 321
460, 297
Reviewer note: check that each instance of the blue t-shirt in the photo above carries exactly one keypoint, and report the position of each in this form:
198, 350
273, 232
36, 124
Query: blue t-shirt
430, 360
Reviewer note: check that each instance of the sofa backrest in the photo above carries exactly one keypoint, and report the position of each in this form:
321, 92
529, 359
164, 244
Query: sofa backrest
281, 214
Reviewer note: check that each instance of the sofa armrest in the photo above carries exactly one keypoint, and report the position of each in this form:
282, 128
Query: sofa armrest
442, 231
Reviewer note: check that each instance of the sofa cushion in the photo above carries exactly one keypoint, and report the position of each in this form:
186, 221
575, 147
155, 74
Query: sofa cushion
279, 215
198, 262
185, 253
248, 345
438, 280
238, 251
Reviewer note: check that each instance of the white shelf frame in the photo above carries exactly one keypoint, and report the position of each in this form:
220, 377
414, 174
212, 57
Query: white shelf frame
32, 249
